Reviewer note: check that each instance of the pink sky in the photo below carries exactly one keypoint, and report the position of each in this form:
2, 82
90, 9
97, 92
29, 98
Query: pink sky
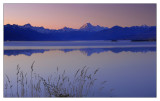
55, 16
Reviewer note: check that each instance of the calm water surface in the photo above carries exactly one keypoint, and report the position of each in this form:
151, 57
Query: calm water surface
129, 71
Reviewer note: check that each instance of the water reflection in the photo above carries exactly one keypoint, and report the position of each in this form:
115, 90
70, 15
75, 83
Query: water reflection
27, 52
131, 72
86, 51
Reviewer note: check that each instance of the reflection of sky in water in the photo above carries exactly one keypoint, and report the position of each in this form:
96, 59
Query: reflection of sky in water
87, 51
131, 72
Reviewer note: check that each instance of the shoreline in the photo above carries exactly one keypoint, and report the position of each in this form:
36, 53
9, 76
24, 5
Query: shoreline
74, 45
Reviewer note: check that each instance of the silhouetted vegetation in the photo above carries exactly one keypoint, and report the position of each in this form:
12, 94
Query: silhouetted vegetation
59, 86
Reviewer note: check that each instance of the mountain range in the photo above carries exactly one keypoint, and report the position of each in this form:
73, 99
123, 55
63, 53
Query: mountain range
87, 31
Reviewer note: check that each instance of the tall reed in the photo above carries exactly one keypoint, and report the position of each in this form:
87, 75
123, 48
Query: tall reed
60, 85
18, 70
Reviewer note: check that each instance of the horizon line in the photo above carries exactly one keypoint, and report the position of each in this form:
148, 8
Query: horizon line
79, 27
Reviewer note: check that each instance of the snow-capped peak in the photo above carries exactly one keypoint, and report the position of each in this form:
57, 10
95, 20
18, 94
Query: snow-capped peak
87, 25
28, 25
67, 29
91, 28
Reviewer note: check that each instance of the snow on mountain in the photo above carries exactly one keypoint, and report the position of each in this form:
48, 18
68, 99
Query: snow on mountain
86, 27
28, 32
67, 29
27, 25
38, 29
91, 28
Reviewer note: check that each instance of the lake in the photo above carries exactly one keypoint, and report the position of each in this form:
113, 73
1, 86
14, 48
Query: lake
123, 69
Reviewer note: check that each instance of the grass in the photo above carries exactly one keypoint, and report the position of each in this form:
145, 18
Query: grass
61, 85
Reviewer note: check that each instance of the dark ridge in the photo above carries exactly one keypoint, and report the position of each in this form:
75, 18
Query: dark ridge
30, 33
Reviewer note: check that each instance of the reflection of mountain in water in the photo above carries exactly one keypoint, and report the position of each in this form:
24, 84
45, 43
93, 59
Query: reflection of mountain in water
27, 52
90, 51
86, 51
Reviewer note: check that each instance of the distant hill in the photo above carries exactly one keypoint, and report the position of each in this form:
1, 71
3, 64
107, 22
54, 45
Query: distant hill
28, 32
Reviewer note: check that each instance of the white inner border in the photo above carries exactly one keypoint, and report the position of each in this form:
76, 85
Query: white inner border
79, 1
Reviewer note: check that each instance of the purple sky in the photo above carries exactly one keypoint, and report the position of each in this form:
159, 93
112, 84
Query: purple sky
55, 16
